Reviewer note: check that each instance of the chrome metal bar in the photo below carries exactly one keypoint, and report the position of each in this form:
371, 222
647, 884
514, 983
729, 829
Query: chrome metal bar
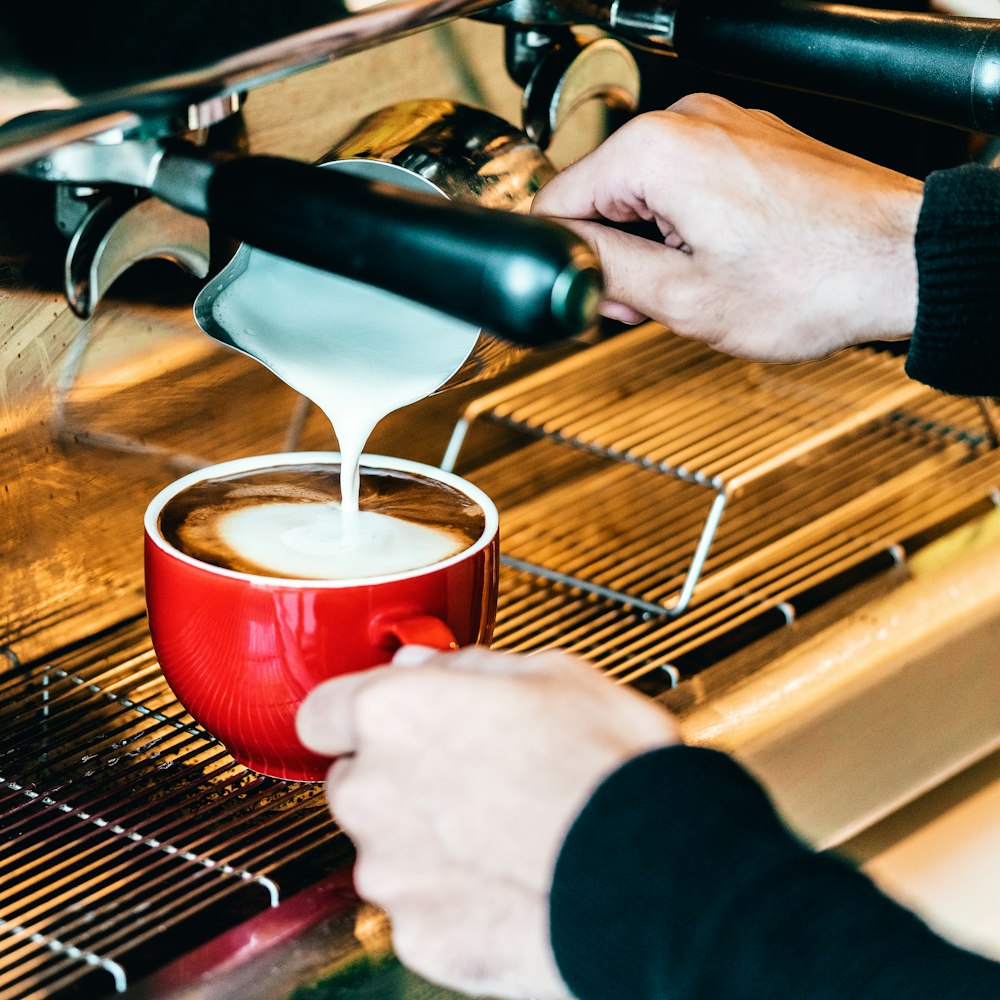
112, 112
580, 584
21, 145
700, 553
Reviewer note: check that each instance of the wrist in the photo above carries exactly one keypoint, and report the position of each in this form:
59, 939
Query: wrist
893, 281
955, 347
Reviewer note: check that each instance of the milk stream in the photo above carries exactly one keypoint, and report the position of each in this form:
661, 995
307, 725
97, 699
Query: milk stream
357, 352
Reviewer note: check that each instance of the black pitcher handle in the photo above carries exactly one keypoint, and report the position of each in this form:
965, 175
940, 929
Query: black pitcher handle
521, 277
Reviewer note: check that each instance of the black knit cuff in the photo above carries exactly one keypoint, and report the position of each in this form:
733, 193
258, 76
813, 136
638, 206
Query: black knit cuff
679, 882
631, 883
956, 341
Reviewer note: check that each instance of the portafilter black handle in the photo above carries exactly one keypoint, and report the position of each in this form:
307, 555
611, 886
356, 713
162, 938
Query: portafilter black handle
523, 278
934, 66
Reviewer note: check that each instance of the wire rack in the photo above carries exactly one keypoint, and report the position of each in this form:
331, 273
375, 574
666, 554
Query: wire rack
684, 432
123, 823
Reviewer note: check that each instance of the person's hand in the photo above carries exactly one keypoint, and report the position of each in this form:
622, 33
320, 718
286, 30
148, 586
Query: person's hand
466, 772
774, 246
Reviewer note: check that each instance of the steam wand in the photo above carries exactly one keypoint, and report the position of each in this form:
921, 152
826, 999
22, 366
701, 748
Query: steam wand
934, 66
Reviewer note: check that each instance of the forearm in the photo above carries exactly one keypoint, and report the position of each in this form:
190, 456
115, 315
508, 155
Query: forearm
678, 882
956, 341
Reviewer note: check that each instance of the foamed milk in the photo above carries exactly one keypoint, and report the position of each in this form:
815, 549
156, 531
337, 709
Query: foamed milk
285, 521
307, 540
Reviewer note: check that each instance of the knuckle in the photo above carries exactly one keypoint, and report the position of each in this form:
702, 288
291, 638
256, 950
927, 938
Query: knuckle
708, 105
683, 132
358, 803
643, 131
375, 881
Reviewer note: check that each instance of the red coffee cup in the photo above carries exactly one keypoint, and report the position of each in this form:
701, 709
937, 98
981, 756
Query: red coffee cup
241, 651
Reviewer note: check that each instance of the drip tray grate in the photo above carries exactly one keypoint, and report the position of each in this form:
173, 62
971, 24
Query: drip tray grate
816, 465
123, 823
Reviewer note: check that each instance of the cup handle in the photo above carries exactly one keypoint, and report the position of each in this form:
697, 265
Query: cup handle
414, 630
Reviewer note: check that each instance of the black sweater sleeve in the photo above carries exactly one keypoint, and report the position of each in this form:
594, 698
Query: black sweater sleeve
679, 882
956, 340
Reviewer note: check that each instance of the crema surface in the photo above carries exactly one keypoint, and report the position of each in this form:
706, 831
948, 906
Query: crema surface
288, 522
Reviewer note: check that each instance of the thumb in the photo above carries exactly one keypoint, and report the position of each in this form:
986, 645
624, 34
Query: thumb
325, 720
638, 272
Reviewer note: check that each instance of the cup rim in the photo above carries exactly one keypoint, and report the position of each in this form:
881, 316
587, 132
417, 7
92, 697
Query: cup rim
152, 531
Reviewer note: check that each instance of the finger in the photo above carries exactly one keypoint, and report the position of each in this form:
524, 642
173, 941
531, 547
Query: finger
600, 185
413, 656
568, 195
480, 660
637, 272
325, 720
397, 861
621, 313
370, 803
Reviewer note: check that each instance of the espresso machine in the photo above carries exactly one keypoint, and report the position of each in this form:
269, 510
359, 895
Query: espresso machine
800, 563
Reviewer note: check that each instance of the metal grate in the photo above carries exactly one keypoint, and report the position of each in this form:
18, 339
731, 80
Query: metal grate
664, 402
761, 576
606, 538
122, 821
673, 406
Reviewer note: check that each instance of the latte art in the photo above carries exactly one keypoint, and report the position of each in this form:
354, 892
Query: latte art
308, 541
288, 522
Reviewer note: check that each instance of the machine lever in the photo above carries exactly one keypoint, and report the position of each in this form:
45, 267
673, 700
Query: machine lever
934, 66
